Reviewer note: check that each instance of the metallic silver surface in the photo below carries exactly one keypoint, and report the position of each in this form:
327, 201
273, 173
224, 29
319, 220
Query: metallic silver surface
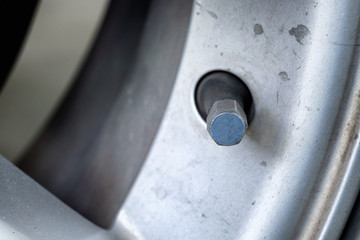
28, 211
226, 122
295, 174
352, 228
105, 126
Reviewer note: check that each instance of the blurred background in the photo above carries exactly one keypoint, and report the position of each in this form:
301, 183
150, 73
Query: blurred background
58, 38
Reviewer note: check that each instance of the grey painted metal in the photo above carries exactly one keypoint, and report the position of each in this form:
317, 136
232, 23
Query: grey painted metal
352, 228
226, 122
28, 211
108, 121
225, 102
295, 173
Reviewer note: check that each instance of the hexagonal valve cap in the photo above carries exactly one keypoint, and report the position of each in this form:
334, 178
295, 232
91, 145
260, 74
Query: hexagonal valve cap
225, 102
226, 122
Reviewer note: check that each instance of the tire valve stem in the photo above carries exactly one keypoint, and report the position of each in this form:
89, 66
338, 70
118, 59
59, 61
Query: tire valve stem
225, 102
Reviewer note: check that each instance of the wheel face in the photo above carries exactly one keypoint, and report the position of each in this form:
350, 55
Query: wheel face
294, 175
